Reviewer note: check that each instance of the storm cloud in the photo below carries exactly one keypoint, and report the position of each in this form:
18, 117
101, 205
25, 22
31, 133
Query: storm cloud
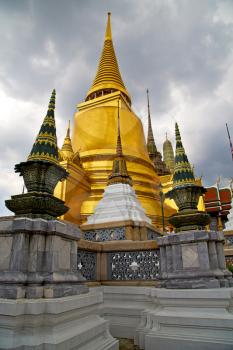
180, 50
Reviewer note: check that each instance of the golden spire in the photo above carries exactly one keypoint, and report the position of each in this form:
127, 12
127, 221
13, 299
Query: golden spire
108, 77
119, 152
66, 151
168, 154
151, 147
119, 172
108, 33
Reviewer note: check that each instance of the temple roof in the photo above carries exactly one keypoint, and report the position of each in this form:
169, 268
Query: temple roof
218, 200
45, 146
183, 173
108, 78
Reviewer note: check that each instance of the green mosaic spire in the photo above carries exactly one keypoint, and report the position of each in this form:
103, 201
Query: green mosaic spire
45, 147
183, 173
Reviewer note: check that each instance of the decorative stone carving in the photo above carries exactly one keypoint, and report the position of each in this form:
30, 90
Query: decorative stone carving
105, 234
134, 265
87, 264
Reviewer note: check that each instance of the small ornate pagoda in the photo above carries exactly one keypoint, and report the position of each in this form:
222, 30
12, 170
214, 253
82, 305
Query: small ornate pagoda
154, 154
168, 154
41, 173
185, 193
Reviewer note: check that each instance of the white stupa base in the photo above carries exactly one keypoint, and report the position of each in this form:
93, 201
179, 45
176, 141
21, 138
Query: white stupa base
119, 203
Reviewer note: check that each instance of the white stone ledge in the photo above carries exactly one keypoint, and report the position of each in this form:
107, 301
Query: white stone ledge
48, 306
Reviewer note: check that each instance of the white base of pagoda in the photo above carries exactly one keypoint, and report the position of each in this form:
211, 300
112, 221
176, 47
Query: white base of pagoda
119, 203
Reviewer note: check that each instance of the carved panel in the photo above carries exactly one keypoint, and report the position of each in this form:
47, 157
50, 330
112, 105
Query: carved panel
105, 234
134, 265
87, 264
229, 240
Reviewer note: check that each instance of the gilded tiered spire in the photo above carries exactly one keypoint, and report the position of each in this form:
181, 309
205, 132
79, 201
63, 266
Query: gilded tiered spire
108, 78
183, 174
154, 154
168, 155
45, 146
66, 151
151, 147
119, 172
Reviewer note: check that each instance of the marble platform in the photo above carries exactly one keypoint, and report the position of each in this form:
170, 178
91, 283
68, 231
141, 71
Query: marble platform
61, 324
154, 318
188, 320
164, 319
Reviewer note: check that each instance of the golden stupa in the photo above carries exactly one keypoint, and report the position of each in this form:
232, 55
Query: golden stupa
93, 145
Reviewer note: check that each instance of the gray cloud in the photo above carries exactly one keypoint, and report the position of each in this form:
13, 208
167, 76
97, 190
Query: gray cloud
180, 50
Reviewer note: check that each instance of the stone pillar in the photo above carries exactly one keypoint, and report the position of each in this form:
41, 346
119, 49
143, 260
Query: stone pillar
169, 258
193, 259
220, 254
38, 258
163, 261
213, 255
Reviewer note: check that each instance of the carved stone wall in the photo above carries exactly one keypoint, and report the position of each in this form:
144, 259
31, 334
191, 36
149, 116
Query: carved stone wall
134, 265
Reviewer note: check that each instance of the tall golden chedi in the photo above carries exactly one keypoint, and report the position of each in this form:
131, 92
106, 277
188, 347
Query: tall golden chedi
94, 135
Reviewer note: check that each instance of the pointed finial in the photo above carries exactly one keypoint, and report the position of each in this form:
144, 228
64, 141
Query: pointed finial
183, 173
151, 147
119, 145
119, 172
178, 138
45, 146
108, 33
68, 130
66, 152
52, 100
148, 102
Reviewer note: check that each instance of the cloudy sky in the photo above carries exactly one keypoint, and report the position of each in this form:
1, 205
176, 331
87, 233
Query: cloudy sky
181, 50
